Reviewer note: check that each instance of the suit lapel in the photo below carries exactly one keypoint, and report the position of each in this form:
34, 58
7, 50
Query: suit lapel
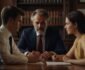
46, 40
34, 39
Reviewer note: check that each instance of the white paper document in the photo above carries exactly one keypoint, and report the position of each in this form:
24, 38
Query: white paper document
58, 63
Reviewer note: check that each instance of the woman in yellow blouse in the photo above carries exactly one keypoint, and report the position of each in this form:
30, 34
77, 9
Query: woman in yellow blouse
75, 24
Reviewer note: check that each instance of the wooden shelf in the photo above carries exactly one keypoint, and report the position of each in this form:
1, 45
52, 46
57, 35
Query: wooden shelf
47, 2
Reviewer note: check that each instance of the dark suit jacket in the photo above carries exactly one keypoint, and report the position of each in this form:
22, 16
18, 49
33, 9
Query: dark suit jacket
53, 41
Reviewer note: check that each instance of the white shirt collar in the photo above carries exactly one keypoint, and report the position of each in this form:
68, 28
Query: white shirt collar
38, 33
3, 28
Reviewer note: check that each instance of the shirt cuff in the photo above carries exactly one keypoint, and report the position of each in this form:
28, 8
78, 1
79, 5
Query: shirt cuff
26, 53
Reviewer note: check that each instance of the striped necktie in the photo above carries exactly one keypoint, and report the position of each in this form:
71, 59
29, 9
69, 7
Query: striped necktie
40, 44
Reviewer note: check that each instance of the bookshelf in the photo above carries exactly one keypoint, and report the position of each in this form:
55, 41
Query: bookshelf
47, 2
54, 8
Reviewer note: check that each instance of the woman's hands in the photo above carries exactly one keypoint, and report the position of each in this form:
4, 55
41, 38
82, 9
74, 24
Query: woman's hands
57, 57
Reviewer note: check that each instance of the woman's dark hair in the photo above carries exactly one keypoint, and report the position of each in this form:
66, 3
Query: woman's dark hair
78, 18
10, 12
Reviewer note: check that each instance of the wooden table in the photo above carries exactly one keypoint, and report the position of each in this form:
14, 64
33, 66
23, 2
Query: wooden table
34, 66
66, 67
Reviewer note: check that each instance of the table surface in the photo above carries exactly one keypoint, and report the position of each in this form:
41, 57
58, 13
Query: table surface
42, 66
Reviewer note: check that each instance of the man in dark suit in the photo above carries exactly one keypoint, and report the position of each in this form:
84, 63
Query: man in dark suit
50, 38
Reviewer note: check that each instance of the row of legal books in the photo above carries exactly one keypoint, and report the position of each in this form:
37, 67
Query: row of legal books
55, 18
39, 1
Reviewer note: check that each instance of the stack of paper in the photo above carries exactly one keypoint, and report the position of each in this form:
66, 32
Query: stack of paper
58, 63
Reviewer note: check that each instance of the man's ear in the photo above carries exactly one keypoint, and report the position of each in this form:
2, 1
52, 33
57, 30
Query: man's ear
9, 24
10, 20
32, 18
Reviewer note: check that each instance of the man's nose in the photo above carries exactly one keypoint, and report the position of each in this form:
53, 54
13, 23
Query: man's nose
40, 25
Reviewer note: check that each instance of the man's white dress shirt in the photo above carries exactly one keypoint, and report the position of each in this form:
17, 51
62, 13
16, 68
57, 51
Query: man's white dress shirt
16, 57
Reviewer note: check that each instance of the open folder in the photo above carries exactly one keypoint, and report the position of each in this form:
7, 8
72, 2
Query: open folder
57, 63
